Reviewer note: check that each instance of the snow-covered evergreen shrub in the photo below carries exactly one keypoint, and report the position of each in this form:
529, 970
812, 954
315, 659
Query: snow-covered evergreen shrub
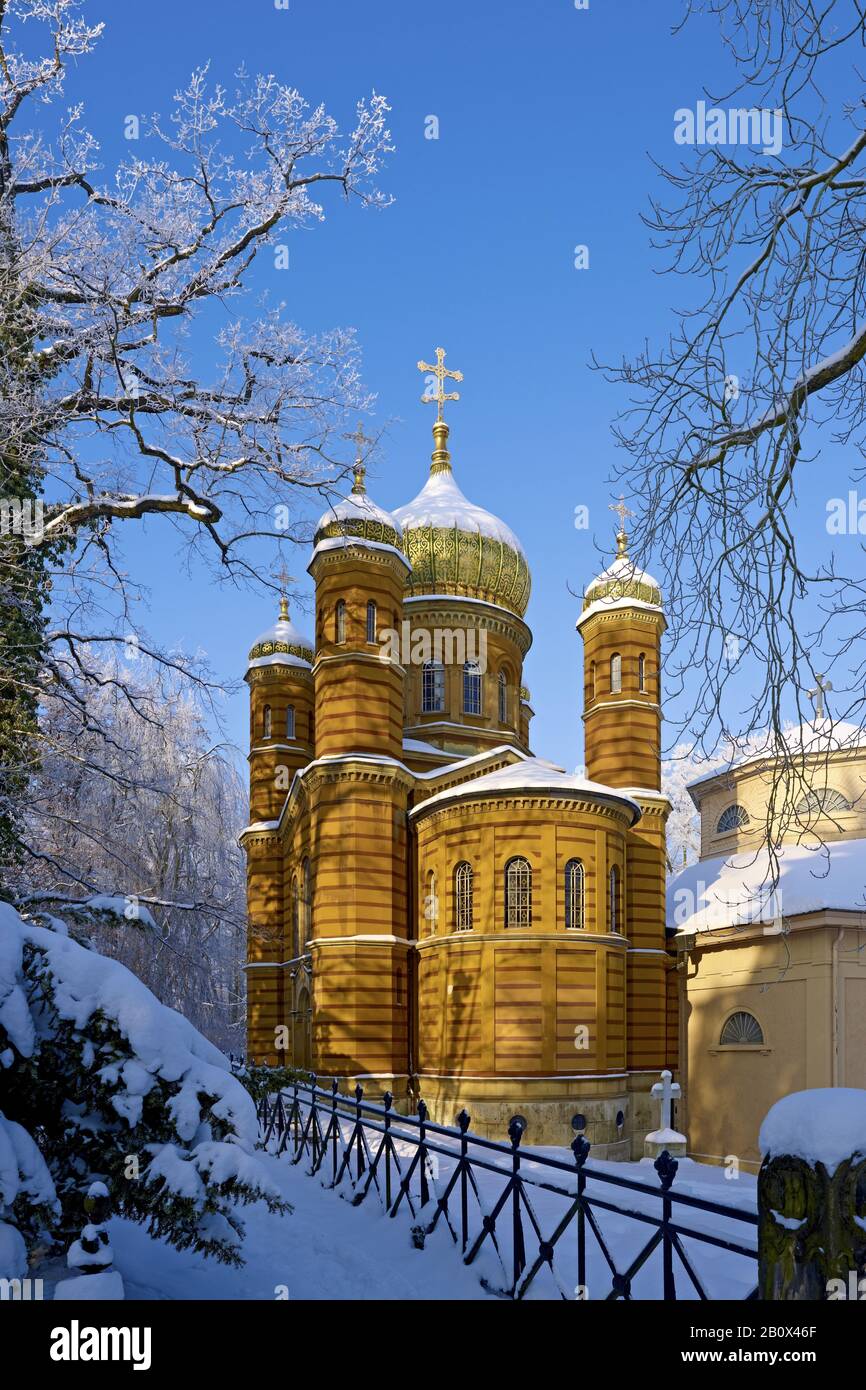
116, 1087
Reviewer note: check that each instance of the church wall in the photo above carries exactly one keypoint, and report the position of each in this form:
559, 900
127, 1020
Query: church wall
622, 729
274, 761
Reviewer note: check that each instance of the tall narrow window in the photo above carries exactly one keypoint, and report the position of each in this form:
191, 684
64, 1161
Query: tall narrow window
340, 621
575, 895
641, 673
592, 679
296, 923
266, 721
432, 687
431, 904
503, 698
290, 721
615, 674
463, 897
614, 914
471, 688
371, 621
518, 893
307, 923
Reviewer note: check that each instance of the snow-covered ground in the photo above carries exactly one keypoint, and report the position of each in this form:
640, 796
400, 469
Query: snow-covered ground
330, 1250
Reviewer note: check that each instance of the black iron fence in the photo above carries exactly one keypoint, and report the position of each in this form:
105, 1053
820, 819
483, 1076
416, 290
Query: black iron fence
530, 1222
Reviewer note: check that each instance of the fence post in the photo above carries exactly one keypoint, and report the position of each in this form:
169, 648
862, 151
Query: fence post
335, 1084
580, 1149
812, 1197
666, 1167
359, 1095
516, 1126
422, 1152
387, 1101
463, 1125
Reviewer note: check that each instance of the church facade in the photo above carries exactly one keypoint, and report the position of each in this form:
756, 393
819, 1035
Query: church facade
433, 910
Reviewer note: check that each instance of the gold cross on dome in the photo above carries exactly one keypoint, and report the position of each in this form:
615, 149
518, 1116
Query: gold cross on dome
284, 578
440, 371
621, 510
359, 438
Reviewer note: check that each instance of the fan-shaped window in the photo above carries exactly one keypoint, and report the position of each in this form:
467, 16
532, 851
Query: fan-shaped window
503, 698
518, 893
290, 721
823, 803
432, 687
742, 1030
732, 818
266, 721
371, 621
471, 688
615, 674
641, 674
575, 894
463, 897
614, 905
296, 923
308, 906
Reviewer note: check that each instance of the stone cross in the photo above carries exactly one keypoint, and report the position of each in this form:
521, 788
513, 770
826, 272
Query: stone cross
821, 689
666, 1092
440, 371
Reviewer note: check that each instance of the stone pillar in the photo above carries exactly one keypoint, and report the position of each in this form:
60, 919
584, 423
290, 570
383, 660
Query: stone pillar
812, 1197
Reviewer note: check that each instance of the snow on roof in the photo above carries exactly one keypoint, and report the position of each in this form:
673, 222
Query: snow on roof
441, 504
529, 775
825, 1126
736, 890
417, 745
625, 570
358, 506
810, 739
283, 633
347, 542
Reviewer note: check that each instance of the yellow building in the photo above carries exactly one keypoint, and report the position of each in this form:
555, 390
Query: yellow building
771, 945
432, 909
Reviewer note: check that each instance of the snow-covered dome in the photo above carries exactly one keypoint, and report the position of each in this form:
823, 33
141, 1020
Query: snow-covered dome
528, 776
358, 517
282, 644
622, 580
456, 547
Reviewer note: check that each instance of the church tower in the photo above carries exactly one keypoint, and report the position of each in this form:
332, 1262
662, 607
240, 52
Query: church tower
622, 624
358, 793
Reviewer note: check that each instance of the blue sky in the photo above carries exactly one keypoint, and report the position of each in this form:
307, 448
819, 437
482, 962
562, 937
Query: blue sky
548, 118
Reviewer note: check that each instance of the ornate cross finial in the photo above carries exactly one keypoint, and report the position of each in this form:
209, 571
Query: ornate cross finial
359, 438
440, 371
622, 512
821, 689
284, 579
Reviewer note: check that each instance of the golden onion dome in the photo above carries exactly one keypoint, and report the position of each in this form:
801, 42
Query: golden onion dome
357, 517
457, 548
622, 581
282, 644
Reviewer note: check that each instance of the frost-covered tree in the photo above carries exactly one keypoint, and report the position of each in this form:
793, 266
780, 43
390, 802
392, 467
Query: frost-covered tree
112, 283
135, 813
760, 381
113, 1087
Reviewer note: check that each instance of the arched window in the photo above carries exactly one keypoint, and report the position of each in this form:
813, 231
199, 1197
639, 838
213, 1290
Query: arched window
371, 621
732, 818
266, 721
340, 621
641, 673
823, 803
615, 674
741, 1030
307, 924
575, 895
290, 721
431, 904
296, 924
614, 907
463, 897
471, 688
518, 893
432, 687
503, 698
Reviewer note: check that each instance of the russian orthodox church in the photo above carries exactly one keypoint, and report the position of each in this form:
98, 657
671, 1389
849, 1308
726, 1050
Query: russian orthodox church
433, 910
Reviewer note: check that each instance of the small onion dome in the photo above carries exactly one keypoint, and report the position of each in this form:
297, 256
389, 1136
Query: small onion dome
455, 547
358, 517
282, 644
622, 580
